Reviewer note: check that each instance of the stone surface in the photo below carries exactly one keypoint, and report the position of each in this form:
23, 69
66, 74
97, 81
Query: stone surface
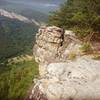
77, 79
56, 69
61, 78
48, 42
54, 45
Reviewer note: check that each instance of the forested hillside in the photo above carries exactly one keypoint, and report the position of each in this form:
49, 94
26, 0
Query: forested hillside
17, 66
15, 37
16, 74
26, 10
81, 16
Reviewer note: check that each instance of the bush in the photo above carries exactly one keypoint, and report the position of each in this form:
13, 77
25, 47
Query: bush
72, 56
96, 57
81, 32
16, 79
86, 47
80, 15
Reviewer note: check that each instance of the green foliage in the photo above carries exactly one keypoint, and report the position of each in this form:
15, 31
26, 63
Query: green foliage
79, 17
86, 47
15, 37
82, 32
16, 79
81, 14
72, 56
96, 23
97, 57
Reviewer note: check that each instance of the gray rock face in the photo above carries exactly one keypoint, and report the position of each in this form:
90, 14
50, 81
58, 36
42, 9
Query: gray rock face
79, 80
63, 79
53, 45
48, 41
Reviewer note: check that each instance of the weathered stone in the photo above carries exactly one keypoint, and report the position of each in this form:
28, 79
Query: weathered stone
63, 79
37, 95
56, 69
70, 33
54, 91
78, 80
48, 41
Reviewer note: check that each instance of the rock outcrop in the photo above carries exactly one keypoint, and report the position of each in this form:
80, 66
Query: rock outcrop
53, 44
48, 42
60, 77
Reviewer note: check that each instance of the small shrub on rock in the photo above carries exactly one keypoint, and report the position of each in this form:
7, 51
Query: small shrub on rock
86, 47
72, 56
96, 57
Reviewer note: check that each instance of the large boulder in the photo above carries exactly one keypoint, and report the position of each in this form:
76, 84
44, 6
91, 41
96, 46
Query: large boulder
48, 42
53, 44
62, 78
77, 80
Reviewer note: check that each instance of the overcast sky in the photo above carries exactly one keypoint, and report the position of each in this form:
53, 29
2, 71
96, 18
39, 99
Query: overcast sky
44, 5
56, 2
33, 2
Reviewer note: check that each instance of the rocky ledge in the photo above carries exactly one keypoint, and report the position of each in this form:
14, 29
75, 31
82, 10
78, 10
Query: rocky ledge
62, 78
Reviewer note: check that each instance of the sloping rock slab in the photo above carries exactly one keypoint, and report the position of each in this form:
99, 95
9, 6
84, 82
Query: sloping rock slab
73, 80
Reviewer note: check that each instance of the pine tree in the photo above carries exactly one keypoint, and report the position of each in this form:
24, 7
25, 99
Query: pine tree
82, 16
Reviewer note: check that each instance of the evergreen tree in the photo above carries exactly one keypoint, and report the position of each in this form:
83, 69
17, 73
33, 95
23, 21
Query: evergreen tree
82, 16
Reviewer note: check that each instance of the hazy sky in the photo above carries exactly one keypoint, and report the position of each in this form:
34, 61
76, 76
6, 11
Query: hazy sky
37, 1
44, 5
33, 2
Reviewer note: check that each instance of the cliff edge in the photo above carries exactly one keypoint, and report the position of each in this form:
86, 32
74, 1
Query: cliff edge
65, 73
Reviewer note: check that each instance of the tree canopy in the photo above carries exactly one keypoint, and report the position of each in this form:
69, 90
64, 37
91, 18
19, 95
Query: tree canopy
82, 16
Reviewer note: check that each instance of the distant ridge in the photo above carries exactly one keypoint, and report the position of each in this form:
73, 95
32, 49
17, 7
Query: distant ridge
19, 17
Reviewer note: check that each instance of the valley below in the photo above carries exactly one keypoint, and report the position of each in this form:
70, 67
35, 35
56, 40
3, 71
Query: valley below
18, 27
17, 65
16, 77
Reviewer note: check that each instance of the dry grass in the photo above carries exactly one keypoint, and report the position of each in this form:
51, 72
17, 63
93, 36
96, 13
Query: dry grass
72, 56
